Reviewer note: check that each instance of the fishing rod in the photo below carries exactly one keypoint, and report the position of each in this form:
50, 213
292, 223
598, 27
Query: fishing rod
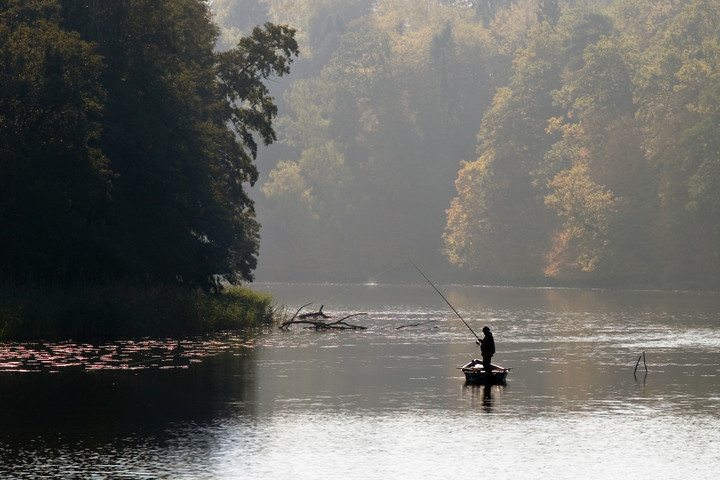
446, 301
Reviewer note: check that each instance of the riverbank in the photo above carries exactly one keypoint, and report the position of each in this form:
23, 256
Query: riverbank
90, 312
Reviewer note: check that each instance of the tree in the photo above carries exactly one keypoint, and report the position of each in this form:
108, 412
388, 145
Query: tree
601, 144
237, 18
399, 101
249, 106
585, 208
54, 179
179, 131
676, 88
181, 211
509, 233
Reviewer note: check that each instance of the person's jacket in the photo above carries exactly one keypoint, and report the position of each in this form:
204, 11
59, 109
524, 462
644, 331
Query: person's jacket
487, 346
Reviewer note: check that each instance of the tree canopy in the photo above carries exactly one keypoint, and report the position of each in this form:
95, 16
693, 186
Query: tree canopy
517, 141
581, 138
619, 161
128, 142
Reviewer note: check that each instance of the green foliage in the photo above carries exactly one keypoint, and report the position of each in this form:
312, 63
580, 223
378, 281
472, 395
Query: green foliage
585, 134
87, 312
508, 234
128, 143
582, 140
375, 137
54, 180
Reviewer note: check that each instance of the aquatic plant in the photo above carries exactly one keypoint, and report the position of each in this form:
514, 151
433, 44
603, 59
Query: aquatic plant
91, 312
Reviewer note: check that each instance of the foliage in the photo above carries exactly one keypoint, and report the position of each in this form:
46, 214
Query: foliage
510, 244
375, 137
237, 18
585, 134
585, 208
628, 122
54, 180
580, 137
128, 143
87, 312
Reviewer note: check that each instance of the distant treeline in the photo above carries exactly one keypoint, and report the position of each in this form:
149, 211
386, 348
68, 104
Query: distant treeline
527, 141
127, 142
583, 139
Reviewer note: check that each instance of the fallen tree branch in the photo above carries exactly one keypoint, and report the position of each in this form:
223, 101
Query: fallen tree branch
298, 310
316, 320
318, 314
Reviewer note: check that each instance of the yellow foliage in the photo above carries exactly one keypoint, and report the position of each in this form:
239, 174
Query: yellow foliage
586, 208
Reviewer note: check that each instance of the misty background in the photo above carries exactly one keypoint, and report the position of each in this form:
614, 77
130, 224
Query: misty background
503, 142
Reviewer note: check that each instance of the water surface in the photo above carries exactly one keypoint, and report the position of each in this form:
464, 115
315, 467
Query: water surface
390, 401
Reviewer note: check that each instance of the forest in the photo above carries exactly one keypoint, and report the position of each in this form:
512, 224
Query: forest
127, 142
513, 142
518, 142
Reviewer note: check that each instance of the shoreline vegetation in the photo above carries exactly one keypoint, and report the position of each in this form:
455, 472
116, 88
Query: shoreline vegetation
83, 312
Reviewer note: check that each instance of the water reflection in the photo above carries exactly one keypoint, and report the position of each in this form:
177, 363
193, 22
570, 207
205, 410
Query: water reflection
53, 357
484, 397
93, 408
385, 402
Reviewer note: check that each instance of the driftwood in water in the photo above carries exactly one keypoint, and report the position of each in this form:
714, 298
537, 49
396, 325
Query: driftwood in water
320, 321
318, 314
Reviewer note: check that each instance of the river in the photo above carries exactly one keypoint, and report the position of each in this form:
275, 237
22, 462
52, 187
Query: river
388, 401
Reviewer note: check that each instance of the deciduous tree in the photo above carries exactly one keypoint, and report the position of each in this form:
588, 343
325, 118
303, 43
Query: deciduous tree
156, 185
54, 178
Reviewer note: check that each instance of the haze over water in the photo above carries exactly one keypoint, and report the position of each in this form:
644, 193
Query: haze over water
391, 403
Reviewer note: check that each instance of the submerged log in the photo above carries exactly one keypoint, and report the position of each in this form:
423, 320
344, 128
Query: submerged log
320, 321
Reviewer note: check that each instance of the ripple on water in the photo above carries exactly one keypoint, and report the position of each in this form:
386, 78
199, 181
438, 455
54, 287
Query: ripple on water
449, 445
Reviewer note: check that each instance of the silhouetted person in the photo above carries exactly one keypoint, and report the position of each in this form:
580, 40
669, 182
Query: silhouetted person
487, 350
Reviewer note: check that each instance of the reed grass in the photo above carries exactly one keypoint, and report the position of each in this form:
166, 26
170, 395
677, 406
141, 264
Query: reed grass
91, 312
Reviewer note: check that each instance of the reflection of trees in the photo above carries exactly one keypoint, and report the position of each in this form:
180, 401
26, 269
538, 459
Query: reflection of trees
133, 406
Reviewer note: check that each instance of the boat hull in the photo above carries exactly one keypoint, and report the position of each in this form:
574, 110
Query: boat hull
475, 373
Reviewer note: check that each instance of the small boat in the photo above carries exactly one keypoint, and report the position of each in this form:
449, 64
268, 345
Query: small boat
475, 373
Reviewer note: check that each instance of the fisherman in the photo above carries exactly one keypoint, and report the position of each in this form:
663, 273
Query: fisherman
487, 350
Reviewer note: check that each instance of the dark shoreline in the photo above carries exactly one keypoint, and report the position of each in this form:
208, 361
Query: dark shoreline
94, 313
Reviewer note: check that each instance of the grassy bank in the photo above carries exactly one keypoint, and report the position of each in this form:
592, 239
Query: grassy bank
88, 312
